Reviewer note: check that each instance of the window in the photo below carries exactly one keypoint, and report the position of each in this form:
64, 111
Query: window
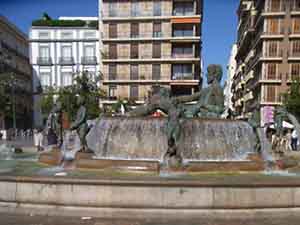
112, 11
273, 49
296, 25
66, 35
273, 26
182, 51
156, 72
66, 51
44, 52
44, 35
112, 72
296, 48
134, 92
112, 91
134, 72
112, 51
157, 30
297, 5
183, 8
272, 69
156, 8
275, 5
67, 78
183, 30
182, 71
271, 93
156, 50
135, 9
295, 71
134, 30
89, 51
113, 30
45, 79
134, 51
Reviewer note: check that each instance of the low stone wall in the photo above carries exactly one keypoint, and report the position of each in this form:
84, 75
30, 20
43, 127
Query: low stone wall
128, 198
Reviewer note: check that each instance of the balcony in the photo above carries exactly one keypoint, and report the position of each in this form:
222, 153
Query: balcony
44, 61
89, 60
66, 60
183, 76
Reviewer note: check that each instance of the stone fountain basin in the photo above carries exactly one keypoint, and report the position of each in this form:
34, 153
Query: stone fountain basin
132, 138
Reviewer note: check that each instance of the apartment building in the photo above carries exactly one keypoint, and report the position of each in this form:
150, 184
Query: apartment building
59, 49
231, 68
15, 69
268, 54
150, 43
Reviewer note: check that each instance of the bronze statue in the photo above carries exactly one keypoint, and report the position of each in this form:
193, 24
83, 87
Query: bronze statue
80, 124
54, 125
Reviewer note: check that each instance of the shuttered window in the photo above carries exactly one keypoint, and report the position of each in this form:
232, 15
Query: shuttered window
295, 71
112, 72
156, 72
157, 30
273, 26
134, 92
112, 51
296, 25
134, 51
113, 30
134, 30
271, 93
271, 74
275, 5
156, 50
296, 48
134, 72
273, 50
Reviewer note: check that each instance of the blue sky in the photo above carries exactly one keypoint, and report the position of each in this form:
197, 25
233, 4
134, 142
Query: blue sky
219, 28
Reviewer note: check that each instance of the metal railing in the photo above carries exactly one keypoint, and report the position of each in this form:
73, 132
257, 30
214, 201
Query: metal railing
164, 56
149, 35
44, 61
89, 60
66, 60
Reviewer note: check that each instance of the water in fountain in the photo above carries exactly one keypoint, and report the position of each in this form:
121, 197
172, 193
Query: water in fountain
6, 152
145, 138
71, 145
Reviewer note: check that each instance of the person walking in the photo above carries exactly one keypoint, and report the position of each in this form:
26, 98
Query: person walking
294, 140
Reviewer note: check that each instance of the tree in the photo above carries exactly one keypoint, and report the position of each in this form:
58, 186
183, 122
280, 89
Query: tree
84, 86
291, 99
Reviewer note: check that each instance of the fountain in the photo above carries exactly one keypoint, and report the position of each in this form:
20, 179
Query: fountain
138, 166
191, 138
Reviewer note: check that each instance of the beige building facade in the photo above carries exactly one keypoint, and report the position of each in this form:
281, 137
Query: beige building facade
15, 66
150, 43
268, 54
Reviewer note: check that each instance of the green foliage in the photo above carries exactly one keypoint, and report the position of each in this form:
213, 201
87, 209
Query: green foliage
93, 24
47, 101
215, 70
83, 86
5, 94
59, 23
291, 99
46, 16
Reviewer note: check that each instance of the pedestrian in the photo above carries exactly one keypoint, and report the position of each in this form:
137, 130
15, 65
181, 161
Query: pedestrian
294, 140
38, 139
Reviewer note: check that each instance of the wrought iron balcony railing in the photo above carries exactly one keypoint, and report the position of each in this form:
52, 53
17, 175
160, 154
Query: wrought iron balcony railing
89, 60
66, 60
44, 61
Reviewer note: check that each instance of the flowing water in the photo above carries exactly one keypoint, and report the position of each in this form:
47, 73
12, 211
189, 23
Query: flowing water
145, 138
